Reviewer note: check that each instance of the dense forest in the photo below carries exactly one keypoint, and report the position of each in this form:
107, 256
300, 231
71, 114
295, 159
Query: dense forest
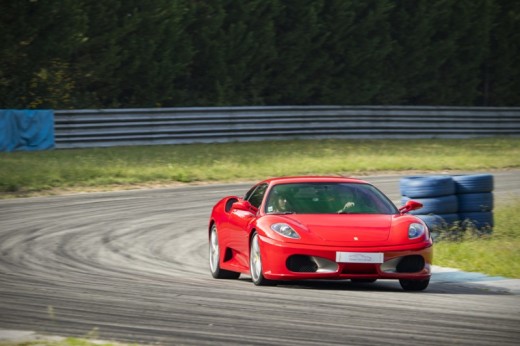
74, 54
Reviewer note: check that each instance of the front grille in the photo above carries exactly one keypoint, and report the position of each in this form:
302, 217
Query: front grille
359, 268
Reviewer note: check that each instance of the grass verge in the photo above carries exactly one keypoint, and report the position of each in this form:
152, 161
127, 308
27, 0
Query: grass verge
496, 254
26, 173
63, 342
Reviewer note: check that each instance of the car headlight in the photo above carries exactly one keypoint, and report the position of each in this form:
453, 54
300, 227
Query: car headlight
285, 230
416, 230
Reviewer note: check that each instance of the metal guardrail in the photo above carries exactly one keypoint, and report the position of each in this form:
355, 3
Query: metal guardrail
117, 127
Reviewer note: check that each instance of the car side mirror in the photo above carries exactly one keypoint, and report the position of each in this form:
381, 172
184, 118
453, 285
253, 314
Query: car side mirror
244, 206
409, 206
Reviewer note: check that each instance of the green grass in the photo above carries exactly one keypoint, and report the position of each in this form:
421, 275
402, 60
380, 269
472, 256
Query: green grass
497, 254
25, 173
89, 339
64, 342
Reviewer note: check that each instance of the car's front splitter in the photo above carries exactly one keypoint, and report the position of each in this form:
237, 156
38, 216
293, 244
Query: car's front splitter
290, 261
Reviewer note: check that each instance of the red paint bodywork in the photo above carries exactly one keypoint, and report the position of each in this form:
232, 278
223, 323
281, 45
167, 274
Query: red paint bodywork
322, 235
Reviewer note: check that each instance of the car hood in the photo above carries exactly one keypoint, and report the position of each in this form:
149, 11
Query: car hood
345, 228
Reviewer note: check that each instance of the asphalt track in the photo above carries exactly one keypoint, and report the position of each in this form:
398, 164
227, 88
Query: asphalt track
132, 266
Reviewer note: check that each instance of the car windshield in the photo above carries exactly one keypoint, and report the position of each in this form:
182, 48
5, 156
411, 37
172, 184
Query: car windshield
327, 198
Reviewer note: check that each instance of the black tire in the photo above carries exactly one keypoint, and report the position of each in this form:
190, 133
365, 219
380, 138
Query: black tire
439, 221
414, 285
432, 221
434, 205
427, 186
480, 220
435, 224
475, 202
439, 224
214, 258
473, 183
255, 263
450, 219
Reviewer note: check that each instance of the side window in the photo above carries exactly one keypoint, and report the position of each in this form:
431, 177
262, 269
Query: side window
250, 192
256, 197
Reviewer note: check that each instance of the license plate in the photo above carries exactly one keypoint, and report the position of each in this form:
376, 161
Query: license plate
359, 257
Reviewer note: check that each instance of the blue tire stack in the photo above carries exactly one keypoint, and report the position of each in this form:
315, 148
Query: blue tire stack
475, 200
437, 195
465, 200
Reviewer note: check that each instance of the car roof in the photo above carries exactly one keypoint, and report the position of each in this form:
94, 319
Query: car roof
313, 179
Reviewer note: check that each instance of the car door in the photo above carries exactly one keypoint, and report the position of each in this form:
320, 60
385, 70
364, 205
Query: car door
239, 222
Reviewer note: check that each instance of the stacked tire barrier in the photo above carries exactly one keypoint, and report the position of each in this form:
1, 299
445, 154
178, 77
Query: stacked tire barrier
451, 202
437, 195
475, 199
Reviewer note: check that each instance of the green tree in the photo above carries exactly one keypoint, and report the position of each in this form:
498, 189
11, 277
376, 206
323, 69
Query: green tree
154, 52
129, 53
37, 38
413, 64
207, 62
461, 43
295, 76
366, 51
501, 71
440, 48
247, 40
99, 58
233, 44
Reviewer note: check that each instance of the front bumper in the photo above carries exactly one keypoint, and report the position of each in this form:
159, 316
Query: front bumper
289, 261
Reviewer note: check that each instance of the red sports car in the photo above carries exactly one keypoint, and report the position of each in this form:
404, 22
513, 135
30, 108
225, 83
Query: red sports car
296, 228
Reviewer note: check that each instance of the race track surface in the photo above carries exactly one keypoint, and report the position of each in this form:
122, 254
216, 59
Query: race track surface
132, 266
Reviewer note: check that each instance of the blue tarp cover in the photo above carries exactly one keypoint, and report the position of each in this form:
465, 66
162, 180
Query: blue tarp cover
27, 130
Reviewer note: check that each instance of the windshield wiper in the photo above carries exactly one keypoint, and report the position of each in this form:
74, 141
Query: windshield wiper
282, 212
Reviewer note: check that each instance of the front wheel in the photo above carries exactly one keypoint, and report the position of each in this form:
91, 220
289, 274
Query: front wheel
414, 285
255, 264
214, 258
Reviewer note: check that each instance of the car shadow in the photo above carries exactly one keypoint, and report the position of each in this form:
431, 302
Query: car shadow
389, 286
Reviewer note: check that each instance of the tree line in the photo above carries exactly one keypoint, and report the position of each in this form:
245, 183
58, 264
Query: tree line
74, 54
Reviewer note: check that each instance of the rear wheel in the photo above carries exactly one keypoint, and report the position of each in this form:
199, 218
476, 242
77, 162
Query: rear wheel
414, 285
214, 258
255, 263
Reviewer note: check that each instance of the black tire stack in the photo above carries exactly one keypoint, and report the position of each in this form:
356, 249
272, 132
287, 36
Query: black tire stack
462, 200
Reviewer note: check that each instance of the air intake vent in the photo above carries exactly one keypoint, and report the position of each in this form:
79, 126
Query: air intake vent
410, 264
302, 264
